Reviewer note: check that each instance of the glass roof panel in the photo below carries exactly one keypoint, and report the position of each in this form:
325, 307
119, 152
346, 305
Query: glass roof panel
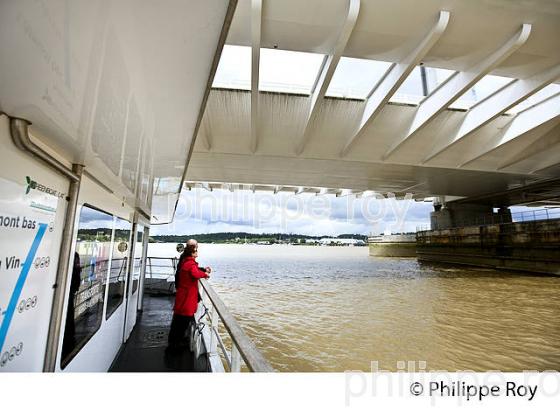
234, 69
356, 77
486, 86
536, 98
288, 71
411, 90
436, 76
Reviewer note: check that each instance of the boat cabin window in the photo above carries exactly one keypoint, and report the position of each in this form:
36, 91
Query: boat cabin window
87, 283
118, 271
137, 266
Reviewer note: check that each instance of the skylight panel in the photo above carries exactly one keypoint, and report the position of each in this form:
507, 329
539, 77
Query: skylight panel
288, 71
356, 77
234, 69
411, 90
436, 76
487, 85
536, 98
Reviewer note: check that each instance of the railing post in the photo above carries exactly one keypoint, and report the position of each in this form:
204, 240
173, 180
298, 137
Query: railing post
235, 358
213, 331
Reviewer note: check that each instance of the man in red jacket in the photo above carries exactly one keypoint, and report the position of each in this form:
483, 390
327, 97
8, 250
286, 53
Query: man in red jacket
187, 297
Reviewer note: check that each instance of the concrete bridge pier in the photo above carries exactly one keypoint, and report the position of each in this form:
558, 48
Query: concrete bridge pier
476, 235
454, 215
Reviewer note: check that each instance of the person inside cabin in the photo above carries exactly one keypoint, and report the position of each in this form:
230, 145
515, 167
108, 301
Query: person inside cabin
69, 340
187, 296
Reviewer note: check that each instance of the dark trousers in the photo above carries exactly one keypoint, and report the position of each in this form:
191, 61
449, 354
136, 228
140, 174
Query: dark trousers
178, 335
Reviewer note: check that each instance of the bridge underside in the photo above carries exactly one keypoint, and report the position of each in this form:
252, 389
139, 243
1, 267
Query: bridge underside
389, 139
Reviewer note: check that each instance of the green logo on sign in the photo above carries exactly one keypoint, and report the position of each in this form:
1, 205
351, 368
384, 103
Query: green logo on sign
42, 188
30, 185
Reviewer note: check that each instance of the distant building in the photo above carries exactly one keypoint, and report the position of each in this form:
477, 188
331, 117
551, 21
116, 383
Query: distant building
342, 242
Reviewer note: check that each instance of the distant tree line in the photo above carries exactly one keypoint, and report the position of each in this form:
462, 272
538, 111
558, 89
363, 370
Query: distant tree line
102, 234
225, 237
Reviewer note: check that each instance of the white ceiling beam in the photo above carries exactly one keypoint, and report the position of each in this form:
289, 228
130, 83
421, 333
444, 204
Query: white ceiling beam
497, 104
328, 71
256, 16
345, 192
204, 134
206, 142
542, 146
541, 168
457, 85
395, 76
521, 124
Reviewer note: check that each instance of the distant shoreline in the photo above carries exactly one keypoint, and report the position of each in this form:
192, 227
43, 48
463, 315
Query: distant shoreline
310, 245
261, 239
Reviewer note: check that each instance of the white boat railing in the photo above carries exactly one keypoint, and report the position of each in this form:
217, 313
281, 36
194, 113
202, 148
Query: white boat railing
160, 278
242, 347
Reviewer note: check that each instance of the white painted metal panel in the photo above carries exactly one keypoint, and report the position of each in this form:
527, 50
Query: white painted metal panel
26, 291
98, 79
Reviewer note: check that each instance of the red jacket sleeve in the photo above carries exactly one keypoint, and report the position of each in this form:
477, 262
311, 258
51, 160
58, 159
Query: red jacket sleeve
195, 272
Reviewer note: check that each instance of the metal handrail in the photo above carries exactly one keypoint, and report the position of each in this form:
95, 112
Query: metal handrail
251, 355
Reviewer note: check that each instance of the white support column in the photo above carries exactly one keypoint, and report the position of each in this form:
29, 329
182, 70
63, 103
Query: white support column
497, 104
300, 190
522, 123
278, 188
328, 70
256, 16
458, 85
395, 76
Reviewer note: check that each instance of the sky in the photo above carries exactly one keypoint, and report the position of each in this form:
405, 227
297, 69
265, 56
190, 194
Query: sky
200, 211
290, 71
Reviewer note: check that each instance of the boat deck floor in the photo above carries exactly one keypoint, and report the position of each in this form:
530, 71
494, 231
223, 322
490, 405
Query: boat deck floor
145, 350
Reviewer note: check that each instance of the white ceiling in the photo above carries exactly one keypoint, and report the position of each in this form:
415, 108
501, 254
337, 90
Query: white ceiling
475, 163
118, 85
